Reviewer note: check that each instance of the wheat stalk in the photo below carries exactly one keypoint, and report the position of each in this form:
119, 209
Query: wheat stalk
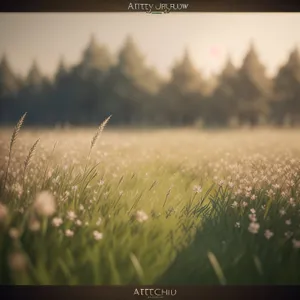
13, 140
29, 157
98, 133
47, 166
16, 132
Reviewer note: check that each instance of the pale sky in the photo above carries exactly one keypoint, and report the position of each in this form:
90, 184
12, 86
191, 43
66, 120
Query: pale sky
162, 38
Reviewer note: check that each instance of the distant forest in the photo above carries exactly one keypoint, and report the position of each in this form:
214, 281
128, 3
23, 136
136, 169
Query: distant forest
135, 94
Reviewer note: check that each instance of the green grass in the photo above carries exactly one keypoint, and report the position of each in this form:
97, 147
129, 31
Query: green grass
188, 238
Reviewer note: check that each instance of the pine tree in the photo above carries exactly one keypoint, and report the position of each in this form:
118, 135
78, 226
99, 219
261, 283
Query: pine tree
287, 90
131, 62
80, 87
10, 85
253, 89
181, 96
130, 85
35, 95
222, 105
229, 70
35, 78
61, 71
186, 77
96, 56
8, 81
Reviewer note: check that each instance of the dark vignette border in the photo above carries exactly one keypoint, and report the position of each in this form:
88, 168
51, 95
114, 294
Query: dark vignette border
122, 5
127, 292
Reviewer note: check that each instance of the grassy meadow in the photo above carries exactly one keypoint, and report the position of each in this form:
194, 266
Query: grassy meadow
174, 206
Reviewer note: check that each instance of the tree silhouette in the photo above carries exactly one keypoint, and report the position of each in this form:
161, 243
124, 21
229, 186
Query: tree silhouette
223, 106
8, 80
129, 85
9, 87
253, 89
287, 90
34, 96
181, 96
134, 92
61, 71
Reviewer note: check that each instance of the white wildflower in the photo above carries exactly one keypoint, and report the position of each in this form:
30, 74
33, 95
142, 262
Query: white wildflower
270, 193
14, 233
296, 244
71, 215
238, 192
69, 233
56, 222
288, 222
221, 182
253, 227
252, 217
292, 202
74, 188
197, 189
99, 221
282, 212
97, 235
78, 222
141, 216
34, 225
44, 204
231, 184
268, 234
248, 189
244, 204
234, 204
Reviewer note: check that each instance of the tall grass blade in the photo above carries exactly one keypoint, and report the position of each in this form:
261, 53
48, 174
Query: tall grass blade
137, 266
29, 157
217, 268
13, 140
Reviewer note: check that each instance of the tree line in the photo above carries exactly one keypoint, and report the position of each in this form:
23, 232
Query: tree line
135, 94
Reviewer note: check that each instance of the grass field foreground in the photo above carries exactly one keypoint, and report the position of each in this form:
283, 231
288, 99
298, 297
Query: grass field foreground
174, 206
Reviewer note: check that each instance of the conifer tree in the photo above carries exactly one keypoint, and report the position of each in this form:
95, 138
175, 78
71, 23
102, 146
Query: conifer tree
253, 89
9, 87
130, 85
287, 91
222, 105
181, 96
8, 80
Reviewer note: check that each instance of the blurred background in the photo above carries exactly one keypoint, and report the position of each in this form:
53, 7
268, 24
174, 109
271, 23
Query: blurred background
178, 69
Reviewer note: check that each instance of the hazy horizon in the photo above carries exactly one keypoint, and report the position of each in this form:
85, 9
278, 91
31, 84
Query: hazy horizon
210, 37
